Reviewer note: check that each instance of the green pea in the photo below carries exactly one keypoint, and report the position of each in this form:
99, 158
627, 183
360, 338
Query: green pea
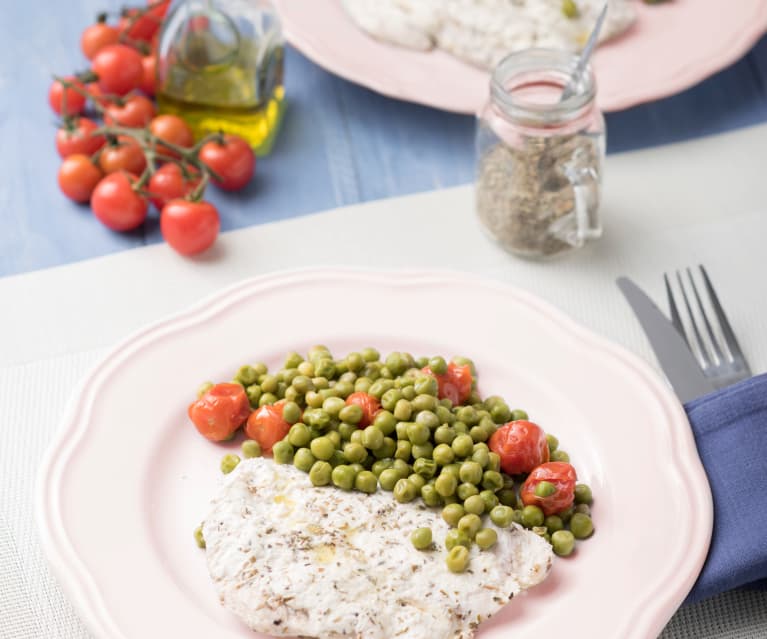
430, 495
343, 477
317, 351
502, 516
267, 399
567, 514
517, 516
428, 419
452, 514
403, 450
372, 438
402, 410
401, 430
544, 489
269, 385
461, 429
292, 395
229, 463
493, 461
454, 469
423, 451
457, 559
426, 385
417, 480
500, 413
324, 368
396, 363
583, 494
386, 449
562, 542
299, 435
356, 437
206, 386
438, 365
282, 452
306, 369
490, 499
333, 406
370, 354
304, 460
481, 455
250, 448
456, 537
199, 539
402, 466
553, 523
372, 371
463, 445
532, 516
390, 398
354, 362
470, 524
425, 467
346, 431
389, 478
443, 455
424, 402
254, 394
474, 504
444, 436
408, 393
552, 442
421, 538
381, 465
357, 467
559, 456
335, 437
446, 484
378, 388
246, 375
355, 453
385, 422
518, 414
366, 482
313, 399
468, 415
470, 472
349, 377
343, 389
466, 490
418, 433
508, 497
405, 491
478, 434
320, 383
492, 480
542, 532
322, 448
362, 385
584, 509
486, 538
488, 425
327, 393
317, 418
320, 473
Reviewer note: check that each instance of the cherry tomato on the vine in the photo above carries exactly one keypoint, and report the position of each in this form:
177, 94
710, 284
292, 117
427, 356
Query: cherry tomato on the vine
96, 37
75, 102
369, 405
172, 129
135, 111
220, 411
118, 68
190, 227
124, 155
233, 161
116, 204
149, 80
267, 426
168, 183
141, 24
77, 137
78, 177
562, 475
521, 446
96, 94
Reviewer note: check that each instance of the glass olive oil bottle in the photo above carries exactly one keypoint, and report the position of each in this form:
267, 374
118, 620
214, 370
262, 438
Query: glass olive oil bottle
220, 67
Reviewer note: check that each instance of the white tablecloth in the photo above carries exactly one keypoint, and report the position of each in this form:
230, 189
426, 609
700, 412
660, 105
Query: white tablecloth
699, 202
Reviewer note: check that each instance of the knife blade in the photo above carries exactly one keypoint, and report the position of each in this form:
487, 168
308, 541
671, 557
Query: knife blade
676, 359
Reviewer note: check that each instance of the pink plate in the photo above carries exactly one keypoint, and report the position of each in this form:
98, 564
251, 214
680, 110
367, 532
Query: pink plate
672, 47
128, 478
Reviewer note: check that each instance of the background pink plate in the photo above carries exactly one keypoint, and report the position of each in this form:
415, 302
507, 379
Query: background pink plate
672, 47
128, 478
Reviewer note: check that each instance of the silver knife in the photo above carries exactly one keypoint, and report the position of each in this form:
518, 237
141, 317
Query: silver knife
676, 359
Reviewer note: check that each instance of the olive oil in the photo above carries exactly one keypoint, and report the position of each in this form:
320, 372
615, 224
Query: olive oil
223, 72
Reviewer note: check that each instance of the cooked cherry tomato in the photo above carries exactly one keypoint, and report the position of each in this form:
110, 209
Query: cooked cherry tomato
135, 111
233, 161
77, 137
455, 384
96, 37
168, 183
220, 411
118, 68
562, 475
75, 102
521, 446
124, 155
116, 204
267, 426
172, 129
369, 405
78, 177
189, 227
149, 79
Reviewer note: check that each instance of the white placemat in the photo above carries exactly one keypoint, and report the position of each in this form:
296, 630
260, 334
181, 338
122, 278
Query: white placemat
699, 202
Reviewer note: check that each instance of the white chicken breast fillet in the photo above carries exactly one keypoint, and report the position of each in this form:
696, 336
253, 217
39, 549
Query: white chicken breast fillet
292, 559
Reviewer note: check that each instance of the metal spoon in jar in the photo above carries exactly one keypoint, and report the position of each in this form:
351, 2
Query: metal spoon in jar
584, 58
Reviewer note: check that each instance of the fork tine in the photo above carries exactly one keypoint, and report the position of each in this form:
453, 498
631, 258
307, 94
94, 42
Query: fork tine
704, 315
729, 335
705, 357
676, 320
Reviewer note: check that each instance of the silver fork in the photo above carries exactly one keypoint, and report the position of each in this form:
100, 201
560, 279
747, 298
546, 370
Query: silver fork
716, 348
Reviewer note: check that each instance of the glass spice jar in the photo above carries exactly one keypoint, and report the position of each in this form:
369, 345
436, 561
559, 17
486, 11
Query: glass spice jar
539, 159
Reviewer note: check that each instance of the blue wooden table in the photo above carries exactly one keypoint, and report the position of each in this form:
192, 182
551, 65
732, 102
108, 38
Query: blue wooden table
340, 144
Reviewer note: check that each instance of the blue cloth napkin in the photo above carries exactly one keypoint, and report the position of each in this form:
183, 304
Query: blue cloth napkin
730, 428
